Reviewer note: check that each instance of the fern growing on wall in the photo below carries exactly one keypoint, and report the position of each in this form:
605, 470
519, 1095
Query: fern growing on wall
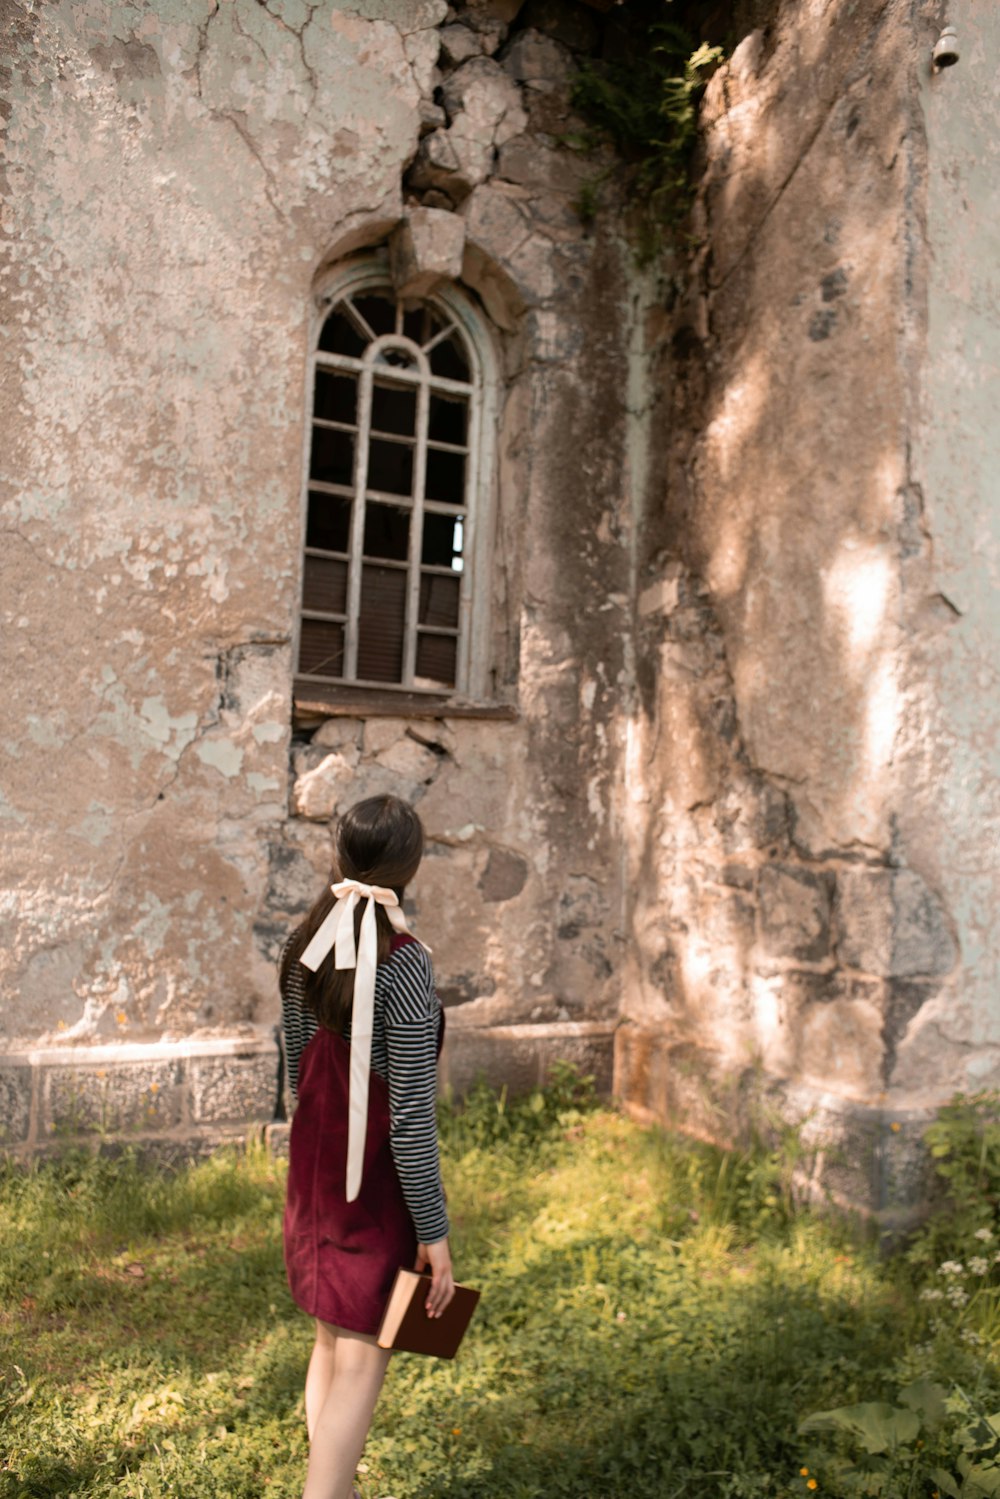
645, 103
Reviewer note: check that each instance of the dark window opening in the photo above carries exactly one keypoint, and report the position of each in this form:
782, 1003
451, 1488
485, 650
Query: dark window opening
445, 477
387, 532
446, 421
340, 336
329, 522
448, 359
394, 409
332, 456
421, 323
336, 398
441, 541
390, 467
378, 312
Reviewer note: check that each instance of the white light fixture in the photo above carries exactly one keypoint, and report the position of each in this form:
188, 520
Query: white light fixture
946, 52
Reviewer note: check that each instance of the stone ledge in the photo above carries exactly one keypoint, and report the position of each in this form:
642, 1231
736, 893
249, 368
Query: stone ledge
178, 1094
867, 1158
521, 1057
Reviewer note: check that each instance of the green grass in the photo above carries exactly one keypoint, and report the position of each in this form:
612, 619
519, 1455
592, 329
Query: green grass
657, 1320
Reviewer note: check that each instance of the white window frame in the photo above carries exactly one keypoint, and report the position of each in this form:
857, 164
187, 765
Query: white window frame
473, 683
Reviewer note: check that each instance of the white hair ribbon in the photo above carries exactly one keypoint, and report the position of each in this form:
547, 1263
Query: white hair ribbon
337, 932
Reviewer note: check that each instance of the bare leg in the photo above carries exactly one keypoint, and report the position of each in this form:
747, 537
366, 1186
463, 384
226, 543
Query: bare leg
319, 1374
340, 1425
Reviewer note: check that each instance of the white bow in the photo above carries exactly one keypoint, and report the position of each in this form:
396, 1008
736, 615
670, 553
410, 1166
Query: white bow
337, 932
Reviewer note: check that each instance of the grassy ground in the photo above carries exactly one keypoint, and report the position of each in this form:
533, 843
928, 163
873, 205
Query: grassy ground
657, 1320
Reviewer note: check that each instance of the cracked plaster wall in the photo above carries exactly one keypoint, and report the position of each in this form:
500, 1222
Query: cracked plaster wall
813, 764
177, 175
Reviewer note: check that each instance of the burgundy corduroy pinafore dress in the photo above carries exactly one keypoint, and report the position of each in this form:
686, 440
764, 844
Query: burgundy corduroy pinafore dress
341, 1257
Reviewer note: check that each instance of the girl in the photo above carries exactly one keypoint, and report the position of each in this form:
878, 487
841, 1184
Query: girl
363, 1029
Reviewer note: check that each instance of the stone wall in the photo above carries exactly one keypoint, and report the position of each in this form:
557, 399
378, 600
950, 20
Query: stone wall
813, 770
729, 804
180, 177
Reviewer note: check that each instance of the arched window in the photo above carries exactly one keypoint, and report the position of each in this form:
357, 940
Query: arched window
396, 568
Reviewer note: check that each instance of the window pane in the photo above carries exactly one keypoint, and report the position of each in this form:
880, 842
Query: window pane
390, 467
436, 656
325, 585
332, 456
445, 477
329, 522
378, 311
449, 360
446, 420
394, 410
381, 624
439, 600
336, 398
442, 540
421, 324
387, 531
321, 648
339, 336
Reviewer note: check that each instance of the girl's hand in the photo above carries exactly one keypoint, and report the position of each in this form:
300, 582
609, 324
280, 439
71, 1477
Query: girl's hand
437, 1257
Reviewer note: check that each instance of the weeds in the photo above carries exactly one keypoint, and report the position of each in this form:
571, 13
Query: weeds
659, 1319
646, 106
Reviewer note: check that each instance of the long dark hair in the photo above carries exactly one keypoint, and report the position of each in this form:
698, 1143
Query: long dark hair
379, 841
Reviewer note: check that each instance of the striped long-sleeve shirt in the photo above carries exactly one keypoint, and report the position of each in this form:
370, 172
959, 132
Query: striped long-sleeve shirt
404, 1054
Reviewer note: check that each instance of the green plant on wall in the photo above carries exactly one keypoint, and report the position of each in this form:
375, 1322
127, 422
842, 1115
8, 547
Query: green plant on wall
645, 103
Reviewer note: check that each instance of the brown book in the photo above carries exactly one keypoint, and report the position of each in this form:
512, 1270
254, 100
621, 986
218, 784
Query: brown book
406, 1326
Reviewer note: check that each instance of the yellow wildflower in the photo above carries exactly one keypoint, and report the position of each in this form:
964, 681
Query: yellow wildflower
804, 1472
811, 1483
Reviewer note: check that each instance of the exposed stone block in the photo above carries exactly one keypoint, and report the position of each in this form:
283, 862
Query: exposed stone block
795, 912
527, 161
905, 998
408, 758
453, 161
113, 1098
891, 923
458, 44
425, 250
422, 50
338, 733
495, 220
533, 268
380, 733
318, 792
497, 291
484, 102
752, 814
540, 61
840, 1045
234, 1089
15, 1104
504, 876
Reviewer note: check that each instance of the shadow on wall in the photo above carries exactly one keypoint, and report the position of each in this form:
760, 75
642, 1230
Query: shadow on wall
788, 575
